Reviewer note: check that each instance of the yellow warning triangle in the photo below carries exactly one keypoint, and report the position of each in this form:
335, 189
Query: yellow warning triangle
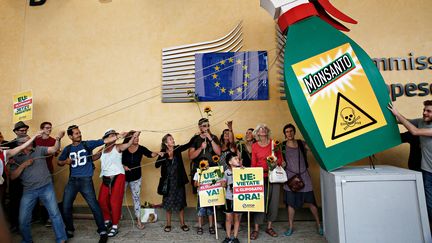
349, 117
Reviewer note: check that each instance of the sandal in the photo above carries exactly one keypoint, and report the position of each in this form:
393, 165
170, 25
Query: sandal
271, 232
184, 227
212, 230
113, 232
140, 226
254, 235
167, 228
200, 231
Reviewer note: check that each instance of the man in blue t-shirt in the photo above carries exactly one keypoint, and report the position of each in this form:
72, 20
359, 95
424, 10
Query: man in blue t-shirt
78, 156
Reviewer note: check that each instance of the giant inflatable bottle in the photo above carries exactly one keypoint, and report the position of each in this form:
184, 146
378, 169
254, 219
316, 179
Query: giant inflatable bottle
336, 94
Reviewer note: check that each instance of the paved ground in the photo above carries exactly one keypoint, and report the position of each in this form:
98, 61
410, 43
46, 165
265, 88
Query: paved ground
304, 231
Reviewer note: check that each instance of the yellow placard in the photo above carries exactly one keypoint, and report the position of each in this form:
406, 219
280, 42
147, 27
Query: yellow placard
210, 191
339, 95
22, 106
248, 189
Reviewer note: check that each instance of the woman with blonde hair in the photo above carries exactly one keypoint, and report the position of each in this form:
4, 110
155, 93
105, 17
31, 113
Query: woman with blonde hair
262, 150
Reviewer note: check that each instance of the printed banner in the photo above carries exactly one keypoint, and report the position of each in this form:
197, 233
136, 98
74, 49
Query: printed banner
248, 189
339, 95
22, 106
211, 193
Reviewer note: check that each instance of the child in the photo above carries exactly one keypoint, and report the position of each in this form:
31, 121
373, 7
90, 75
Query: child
203, 211
233, 161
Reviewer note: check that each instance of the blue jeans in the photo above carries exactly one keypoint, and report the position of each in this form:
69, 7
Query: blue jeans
84, 185
427, 182
28, 201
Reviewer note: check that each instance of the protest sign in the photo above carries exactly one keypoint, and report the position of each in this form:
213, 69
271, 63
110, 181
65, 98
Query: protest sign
22, 106
211, 192
248, 189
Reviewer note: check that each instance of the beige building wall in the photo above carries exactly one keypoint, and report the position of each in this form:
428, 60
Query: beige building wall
81, 56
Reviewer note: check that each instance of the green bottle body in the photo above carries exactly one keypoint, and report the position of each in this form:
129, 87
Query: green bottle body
336, 95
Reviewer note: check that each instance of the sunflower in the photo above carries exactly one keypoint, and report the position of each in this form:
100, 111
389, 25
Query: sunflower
207, 109
203, 164
277, 142
271, 162
239, 136
270, 159
216, 158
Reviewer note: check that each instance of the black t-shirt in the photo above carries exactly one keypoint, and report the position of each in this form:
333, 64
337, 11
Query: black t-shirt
208, 152
133, 160
245, 155
414, 159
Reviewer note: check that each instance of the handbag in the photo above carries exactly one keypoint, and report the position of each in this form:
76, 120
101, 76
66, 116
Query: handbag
163, 186
295, 183
278, 175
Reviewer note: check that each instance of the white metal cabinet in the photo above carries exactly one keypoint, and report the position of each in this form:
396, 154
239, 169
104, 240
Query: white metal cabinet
366, 205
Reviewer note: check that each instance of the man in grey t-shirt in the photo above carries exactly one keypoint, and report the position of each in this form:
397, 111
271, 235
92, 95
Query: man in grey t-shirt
31, 167
422, 127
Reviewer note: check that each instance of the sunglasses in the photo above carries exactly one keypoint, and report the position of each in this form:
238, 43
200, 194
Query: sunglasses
205, 125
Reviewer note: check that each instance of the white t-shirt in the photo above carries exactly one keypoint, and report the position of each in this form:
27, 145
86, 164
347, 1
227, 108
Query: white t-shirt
228, 177
196, 176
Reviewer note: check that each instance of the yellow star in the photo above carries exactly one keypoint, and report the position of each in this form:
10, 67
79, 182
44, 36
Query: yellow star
230, 60
245, 67
222, 62
231, 92
239, 61
245, 83
217, 84
214, 76
217, 68
223, 90
239, 89
247, 75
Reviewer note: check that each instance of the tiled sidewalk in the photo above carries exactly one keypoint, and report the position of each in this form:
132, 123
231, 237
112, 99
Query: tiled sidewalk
304, 231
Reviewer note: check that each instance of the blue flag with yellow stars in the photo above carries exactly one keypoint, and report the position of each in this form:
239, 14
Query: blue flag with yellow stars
231, 76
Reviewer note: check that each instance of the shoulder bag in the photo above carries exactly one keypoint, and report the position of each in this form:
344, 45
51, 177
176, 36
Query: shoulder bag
296, 183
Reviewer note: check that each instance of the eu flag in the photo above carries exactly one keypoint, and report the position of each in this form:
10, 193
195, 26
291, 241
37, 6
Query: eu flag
231, 76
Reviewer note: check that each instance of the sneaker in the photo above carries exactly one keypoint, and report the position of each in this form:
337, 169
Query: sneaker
227, 240
289, 232
48, 223
103, 238
235, 240
69, 234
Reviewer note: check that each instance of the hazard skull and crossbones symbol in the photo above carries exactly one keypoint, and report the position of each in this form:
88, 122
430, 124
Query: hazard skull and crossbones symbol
349, 117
